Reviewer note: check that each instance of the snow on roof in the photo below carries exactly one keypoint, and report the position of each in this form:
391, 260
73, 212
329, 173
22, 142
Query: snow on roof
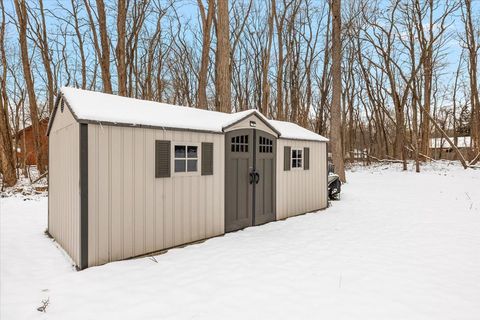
108, 108
290, 130
442, 143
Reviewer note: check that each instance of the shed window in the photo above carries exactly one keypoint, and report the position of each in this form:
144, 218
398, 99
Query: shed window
297, 158
186, 158
265, 145
239, 144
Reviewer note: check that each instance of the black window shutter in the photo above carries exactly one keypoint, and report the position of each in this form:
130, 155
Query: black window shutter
207, 158
286, 158
306, 160
162, 158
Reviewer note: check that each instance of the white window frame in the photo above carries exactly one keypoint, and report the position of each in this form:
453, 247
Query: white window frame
298, 158
198, 158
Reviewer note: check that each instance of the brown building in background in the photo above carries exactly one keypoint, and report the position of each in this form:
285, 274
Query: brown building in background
26, 149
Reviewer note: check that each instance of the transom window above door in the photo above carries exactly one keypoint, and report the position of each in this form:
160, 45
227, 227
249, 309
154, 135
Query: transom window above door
297, 158
239, 144
265, 145
186, 158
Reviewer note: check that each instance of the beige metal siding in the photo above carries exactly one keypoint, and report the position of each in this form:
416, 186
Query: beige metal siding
130, 211
245, 124
298, 190
64, 189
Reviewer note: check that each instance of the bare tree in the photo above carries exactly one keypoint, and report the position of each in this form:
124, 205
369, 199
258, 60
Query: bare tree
7, 157
22, 17
336, 130
41, 40
120, 49
266, 61
470, 42
102, 49
222, 63
207, 20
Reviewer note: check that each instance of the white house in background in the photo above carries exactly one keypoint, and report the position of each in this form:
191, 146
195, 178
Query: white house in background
441, 149
129, 177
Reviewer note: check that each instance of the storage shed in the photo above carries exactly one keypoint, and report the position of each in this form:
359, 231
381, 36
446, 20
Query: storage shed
129, 177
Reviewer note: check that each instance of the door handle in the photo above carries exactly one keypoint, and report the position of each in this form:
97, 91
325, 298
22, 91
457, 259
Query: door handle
252, 177
257, 177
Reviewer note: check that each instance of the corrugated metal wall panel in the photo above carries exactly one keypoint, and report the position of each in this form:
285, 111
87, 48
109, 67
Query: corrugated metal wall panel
300, 191
131, 212
64, 188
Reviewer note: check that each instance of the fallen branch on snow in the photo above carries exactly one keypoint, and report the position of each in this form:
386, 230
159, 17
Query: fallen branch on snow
43, 307
420, 154
475, 160
385, 160
43, 175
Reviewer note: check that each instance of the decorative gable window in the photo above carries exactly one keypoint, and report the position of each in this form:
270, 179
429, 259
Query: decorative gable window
186, 158
297, 158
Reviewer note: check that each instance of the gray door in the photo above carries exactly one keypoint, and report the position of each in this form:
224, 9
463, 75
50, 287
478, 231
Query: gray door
238, 184
249, 178
265, 178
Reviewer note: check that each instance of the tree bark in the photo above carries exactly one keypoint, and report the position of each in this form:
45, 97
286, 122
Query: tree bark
121, 49
279, 22
472, 48
7, 155
47, 60
336, 130
81, 50
427, 46
206, 39
266, 62
21, 10
223, 71
103, 49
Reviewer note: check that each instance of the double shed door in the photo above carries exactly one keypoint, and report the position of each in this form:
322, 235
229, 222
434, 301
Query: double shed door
249, 178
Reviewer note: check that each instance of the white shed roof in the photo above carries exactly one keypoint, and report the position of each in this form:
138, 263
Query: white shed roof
100, 107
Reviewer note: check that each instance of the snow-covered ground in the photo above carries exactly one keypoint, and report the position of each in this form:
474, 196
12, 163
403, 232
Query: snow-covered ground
399, 245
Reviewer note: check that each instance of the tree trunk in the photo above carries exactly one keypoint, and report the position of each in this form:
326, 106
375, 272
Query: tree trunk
266, 62
472, 69
47, 60
120, 49
103, 49
279, 24
7, 155
427, 101
81, 50
206, 37
105, 58
428, 79
325, 81
223, 73
21, 10
336, 132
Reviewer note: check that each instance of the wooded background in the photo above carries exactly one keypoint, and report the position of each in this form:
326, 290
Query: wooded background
400, 72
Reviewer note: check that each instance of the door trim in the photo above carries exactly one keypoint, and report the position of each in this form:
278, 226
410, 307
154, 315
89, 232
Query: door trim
254, 185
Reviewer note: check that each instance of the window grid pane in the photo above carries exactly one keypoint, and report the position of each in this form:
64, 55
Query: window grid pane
191, 165
192, 152
179, 151
179, 165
